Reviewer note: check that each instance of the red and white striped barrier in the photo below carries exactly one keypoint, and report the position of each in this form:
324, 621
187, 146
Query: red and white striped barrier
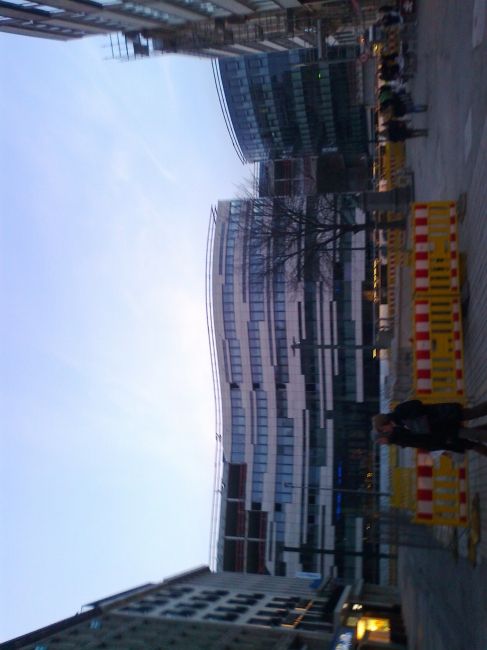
453, 248
423, 347
424, 504
457, 343
421, 253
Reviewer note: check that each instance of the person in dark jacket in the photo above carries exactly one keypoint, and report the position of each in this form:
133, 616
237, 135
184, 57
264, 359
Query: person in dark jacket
432, 427
397, 131
397, 106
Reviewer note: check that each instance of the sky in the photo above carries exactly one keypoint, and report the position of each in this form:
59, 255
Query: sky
108, 171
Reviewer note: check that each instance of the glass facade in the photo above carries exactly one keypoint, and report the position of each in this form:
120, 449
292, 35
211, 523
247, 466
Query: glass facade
288, 104
296, 421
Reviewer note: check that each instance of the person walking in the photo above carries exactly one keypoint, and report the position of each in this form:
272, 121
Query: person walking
397, 131
397, 104
432, 427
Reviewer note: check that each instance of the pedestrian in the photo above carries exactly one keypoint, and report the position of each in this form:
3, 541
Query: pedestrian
432, 427
386, 93
389, 70
390, 16
397, 131
395, 108
400, 103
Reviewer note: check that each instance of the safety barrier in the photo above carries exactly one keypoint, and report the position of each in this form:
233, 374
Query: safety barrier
438, 350
392, 159
439, 488
435, 248
441, 491
396, 256
403, 493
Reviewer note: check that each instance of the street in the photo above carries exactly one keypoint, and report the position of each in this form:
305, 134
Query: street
446, 603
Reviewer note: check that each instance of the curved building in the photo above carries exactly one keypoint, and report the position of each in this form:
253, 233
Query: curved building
290, 104
299, 384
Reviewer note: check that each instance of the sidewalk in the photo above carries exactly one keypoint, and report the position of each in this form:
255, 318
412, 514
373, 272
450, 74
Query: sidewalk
444, 604
452, 80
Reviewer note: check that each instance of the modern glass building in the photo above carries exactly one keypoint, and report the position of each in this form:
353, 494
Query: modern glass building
289, 104
218, 28
299, 384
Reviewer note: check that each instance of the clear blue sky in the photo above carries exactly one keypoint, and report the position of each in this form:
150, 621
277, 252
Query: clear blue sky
108, 171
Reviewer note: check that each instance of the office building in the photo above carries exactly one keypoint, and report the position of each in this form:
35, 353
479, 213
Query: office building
290, 104
200, 610
299, 383
198, 27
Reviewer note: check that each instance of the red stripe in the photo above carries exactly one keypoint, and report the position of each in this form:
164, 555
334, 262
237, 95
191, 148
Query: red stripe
422, 516
421, 239
462, 472
421, 221
421, 206
424, 374
423, 354
425, 495
463, 497
422, 318
424, 391
422, 336
421, 273
425, 470
421, 256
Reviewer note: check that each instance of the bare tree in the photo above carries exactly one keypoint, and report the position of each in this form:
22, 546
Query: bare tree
298, 235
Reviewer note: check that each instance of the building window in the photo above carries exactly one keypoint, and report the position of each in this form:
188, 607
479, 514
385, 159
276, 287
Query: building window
267, 621
137, 609
179, 613
236, 609
195, 605
228, 617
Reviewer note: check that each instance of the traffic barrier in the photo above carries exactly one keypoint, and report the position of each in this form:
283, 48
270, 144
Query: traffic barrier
424, 487
393, 159
441, 491
440, 486
402, 495
438, 350
395, 257
435, 251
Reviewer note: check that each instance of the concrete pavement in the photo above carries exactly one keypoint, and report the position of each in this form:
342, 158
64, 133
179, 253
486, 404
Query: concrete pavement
452, 80
446, 603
